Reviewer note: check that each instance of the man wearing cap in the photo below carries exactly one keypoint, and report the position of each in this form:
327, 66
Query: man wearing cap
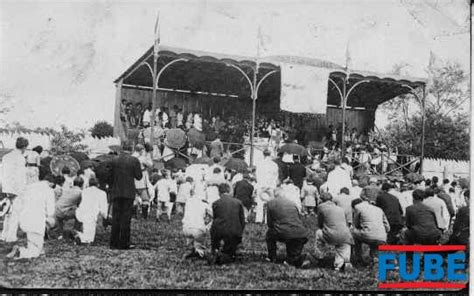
285, 225
333, 230
267, 180
371, 191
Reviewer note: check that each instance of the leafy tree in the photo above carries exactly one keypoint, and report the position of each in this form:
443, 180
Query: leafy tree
445, 136
66, 141
102, 129
446, 124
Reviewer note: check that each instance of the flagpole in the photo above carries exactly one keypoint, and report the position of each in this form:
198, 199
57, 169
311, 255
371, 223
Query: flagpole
254, 97
344, 102
155, 66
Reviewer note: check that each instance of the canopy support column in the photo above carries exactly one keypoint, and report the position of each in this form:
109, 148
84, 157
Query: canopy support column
153, 100
254, 87
156, 78
422, 130
119, 129
421, 101
343, 103
254, 107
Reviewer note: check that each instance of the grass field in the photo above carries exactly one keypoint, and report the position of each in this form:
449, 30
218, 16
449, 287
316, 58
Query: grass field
157, 263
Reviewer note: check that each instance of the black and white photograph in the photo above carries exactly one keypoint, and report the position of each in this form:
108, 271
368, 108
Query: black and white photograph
235, 145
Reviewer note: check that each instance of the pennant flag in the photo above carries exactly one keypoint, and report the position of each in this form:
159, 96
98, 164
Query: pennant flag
348, 56
157, 35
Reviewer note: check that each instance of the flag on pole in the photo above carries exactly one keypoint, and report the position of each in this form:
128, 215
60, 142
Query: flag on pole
348, 57
157, 35
262, 43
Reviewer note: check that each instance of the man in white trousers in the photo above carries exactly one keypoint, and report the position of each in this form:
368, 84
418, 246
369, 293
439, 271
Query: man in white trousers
93, 203
35, 212
13, 184
267, 181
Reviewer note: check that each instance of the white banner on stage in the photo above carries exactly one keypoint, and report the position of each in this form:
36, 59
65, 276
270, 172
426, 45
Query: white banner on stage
304, 89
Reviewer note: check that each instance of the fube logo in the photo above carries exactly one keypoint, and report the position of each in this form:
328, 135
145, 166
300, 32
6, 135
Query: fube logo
431, 266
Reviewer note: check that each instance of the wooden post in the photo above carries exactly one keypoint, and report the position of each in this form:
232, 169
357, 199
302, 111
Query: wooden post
119, 129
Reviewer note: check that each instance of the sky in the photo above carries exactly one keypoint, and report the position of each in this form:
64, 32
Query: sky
58, 59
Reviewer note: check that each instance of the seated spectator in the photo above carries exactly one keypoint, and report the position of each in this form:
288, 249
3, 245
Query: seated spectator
36, 212
333, 230
421, 223
67, 204
460, 233
439, 208
393, 211
285, 225
344, 200
93, 204
227, 225
194, 225
370, 227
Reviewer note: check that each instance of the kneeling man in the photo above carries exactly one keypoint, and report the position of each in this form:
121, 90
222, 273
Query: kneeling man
285, 225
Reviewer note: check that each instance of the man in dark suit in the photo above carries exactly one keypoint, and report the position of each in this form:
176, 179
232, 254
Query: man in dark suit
393, 210
227, 225
285, 225
125, 169
297, 173
244, 192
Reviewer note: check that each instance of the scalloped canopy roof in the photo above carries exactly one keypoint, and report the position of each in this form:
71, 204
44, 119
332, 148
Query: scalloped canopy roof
210, 72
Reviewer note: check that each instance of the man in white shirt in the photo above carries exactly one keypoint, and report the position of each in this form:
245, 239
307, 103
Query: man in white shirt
338, 179
195, 227
165, 116
35, 211
438, 206
267, 180
404, 196
165, 186
93, 203
147, 117
292, 192
355, 190
13, 183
